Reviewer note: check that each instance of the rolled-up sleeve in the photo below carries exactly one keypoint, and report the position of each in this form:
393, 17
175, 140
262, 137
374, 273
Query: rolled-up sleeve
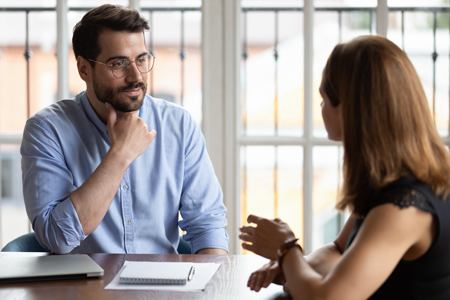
47, 186
202, 208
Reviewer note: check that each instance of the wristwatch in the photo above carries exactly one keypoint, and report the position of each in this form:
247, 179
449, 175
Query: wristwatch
284, 249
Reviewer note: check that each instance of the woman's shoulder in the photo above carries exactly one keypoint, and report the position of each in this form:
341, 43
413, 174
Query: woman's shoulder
405, 192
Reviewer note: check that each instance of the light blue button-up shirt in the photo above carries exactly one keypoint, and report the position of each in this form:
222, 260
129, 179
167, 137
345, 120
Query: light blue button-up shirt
64, 143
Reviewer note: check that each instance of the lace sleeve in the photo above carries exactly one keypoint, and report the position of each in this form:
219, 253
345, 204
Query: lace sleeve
404, 196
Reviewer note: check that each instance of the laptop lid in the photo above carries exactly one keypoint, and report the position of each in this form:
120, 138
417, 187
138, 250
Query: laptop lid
51, 267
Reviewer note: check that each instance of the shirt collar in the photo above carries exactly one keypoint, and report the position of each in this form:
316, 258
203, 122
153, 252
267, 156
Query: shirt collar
91, 114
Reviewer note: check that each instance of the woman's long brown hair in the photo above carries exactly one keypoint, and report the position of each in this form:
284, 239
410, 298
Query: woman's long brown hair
388, 130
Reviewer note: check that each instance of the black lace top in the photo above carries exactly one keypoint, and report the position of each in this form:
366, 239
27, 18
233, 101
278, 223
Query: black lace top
405, 196
427, 277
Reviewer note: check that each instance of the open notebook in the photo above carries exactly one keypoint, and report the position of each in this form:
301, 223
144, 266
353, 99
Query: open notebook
51, 267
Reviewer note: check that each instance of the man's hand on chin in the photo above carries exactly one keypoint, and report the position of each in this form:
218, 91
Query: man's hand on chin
212, 251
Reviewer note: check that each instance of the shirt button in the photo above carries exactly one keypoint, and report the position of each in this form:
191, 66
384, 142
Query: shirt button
128, 222
125, 187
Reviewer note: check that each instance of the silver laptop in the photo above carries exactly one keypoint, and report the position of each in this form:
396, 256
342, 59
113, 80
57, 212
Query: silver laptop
51, 267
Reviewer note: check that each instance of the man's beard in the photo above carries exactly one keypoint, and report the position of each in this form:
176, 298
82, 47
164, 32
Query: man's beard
112, 96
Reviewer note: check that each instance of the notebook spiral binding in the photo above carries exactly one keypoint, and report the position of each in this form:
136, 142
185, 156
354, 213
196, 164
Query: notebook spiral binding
153, 281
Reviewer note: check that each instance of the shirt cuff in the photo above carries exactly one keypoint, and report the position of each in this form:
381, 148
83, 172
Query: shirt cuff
66, 218
215, 238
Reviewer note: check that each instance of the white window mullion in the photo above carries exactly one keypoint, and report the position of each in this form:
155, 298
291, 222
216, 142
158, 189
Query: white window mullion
308, 19
232, 77
220, 88
134, 4
62, 49
212, 83
382, 17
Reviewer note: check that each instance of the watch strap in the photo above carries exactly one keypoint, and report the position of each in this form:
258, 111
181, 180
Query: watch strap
284, 249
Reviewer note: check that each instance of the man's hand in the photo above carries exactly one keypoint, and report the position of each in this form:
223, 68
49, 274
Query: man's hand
129, 135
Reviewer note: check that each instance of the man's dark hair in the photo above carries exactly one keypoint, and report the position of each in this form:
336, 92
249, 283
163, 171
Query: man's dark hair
106, 17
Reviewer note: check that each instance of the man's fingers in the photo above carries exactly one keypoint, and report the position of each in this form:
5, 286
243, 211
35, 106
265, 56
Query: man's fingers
151, 134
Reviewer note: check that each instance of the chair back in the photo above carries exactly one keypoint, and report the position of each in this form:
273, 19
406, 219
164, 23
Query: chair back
25, 243
184, 247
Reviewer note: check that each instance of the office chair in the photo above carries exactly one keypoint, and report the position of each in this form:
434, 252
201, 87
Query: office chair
24, 243
29, 243
184, 247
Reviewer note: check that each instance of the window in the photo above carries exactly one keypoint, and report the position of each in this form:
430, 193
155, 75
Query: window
273, 105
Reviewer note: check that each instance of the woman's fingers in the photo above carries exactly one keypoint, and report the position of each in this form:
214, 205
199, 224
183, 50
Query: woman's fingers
270, 275
247, 229
246, 235
266, 237
254, 219
259, 281
263, 277
246, 238
248, 247
252, 281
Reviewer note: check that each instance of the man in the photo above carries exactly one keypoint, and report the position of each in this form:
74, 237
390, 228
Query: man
96, 179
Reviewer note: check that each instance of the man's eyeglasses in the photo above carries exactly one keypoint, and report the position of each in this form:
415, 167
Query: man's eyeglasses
121, 67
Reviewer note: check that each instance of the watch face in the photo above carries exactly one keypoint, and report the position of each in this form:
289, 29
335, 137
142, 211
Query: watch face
288, 244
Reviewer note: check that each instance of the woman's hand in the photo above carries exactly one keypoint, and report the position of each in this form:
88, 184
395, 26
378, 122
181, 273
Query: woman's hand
263, 277
266, 237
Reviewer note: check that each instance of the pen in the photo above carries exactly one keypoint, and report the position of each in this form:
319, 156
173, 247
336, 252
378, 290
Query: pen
191, 273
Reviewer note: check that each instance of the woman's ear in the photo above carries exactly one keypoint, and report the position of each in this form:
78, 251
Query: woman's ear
84, 69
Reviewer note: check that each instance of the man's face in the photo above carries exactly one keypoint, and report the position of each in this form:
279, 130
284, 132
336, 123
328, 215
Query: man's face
127, 93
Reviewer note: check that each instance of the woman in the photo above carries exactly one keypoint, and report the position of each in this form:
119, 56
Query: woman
396, 243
